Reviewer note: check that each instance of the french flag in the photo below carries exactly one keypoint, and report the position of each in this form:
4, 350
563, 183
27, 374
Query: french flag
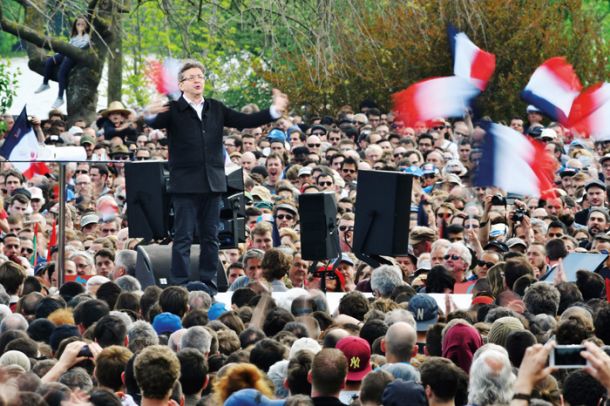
590, 112
470, 61
433, 98
514, 163
164, 75
553, 88
21, 144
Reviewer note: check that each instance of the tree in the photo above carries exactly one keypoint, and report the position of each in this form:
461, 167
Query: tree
85, 76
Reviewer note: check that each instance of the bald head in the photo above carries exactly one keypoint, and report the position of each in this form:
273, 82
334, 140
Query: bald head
333, 336
400, 342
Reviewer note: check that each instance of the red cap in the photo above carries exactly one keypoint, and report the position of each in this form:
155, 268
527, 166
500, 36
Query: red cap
482, 300
358, 353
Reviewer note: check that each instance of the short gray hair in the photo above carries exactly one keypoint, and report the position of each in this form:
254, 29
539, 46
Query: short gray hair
128, 283
489, 385
77, 378
190, 64
385, 278
397, 315
126, 259
85, 255
253, 253
13, 321
198, 299
141, 335
198, 338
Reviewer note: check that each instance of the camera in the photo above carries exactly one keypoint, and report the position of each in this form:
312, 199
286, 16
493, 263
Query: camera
518, 215
498, 200
567, 356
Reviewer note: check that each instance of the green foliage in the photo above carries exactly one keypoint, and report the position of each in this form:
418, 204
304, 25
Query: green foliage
8, 86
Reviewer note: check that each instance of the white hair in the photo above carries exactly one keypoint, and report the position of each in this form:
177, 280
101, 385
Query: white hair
198, 338
397, 315
491, 379
463, 250
13, 321
385, 278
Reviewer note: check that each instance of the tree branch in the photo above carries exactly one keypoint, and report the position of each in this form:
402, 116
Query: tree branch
44, 41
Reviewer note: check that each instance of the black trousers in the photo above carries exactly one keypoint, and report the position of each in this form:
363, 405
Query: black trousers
196, 214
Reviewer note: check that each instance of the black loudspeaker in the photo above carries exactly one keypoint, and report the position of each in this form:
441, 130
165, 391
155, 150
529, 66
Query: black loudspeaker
147, 200
319, 233
383, 208
154, 262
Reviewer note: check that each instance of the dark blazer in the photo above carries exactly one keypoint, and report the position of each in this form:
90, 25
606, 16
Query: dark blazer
196, 154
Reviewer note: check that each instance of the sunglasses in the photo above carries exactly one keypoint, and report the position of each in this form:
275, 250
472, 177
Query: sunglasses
284, 216
452, 257
325, 183
346, 228
444, 215
314, 145
398, 154
349, 170
485, 264
141, 158
81, 172
27, 250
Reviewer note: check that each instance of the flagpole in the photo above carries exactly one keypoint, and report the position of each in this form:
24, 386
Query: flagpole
61, 240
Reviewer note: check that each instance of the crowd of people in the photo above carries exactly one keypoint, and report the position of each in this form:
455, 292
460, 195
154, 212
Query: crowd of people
101, 339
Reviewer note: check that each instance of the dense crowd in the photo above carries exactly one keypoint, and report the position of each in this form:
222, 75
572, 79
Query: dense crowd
100, 338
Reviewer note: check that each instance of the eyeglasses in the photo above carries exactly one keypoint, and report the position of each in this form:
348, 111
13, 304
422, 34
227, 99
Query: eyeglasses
346, 228
284, 217
452, 257
327, 183
314, 145
27, 250
229, 145
193, 77
485, 264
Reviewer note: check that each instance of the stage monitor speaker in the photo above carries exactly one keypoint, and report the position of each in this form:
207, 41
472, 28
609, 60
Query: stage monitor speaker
147, 200
383, 207
319, 233
154, 262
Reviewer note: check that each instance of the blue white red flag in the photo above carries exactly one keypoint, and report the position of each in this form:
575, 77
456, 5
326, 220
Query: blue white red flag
21, 144
553, 88
514, 163
432, 98
590, 112
469, 61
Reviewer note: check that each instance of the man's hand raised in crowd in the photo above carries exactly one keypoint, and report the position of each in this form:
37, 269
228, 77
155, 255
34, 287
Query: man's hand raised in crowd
279, 101
156, 107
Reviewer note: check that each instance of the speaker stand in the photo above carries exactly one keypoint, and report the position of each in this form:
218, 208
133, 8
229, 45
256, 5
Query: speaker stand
371, 259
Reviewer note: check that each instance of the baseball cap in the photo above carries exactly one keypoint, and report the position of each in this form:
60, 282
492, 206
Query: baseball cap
87, 139
89, 219
287, 207
532, 109
497, 245
401, 392
166, 323
346, 258
413, 170
36, 193
276, 135
429, 169
515, 241
216, 310
306, 170
548, 133
595, 182
358, 353
425, 311
74, 130
251, 397
419, 234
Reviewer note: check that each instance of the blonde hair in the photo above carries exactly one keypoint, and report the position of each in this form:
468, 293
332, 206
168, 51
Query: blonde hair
237, 377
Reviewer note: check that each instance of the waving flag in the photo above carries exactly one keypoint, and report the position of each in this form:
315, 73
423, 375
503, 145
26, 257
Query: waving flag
433, 98
515, 163
165, 76
553, 88
590, 112
469, 61
21, 144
